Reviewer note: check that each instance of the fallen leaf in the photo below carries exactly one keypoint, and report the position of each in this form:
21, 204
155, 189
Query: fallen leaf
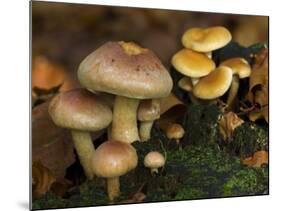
139, 196
260, 114
257, 160
167, 103
50, 144
42, 179
227, 124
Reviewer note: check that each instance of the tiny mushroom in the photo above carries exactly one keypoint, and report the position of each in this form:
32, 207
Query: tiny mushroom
213, 85
192, 64
206, 39
130, 72
241, 69
154, 160
112, 160
82, 112
175, 131
148, 111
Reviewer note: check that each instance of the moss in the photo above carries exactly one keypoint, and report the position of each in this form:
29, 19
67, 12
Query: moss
201, 124
249, 138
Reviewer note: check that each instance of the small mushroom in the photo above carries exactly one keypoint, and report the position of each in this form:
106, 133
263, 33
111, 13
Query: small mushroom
175, 131
154, 160
82, 112
185, 83
148, 111
130, 72
241, 69
213, 85
206, 39
111, 160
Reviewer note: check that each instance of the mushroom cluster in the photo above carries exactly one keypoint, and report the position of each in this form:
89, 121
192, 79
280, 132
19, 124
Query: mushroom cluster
202, 78
122, 84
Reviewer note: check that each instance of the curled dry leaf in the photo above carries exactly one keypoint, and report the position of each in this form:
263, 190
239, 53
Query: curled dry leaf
227, 124
46, 75
171, 110
42, 179
257, 160
50, 144
139, 196
258, 89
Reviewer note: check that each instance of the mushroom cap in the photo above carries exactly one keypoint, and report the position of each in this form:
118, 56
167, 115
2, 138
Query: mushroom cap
113, 159
149, 110
193, 64
175, 131
154, 159
185, 83
125, 69
239, 66
206, 40
80, 109
214, 85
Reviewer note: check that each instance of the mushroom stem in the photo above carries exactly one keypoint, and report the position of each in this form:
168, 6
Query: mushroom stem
124, 123
233, 91
145, 128
113, 188
154, 170
85, 150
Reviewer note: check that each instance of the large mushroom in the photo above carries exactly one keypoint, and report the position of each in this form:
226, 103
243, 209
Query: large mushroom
112, 160
82, 112
148, 111
241, 69
131, 73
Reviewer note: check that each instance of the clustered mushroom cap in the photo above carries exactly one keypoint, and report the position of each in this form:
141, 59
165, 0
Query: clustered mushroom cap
175, 131
113, 159
80, 109
192, 64
239, 66
154, 160
185, 83
149, 110
214, 85
206, 40
125, 69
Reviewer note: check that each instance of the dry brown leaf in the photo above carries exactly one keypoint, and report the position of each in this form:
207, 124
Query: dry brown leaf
228, 123
257, 160
260, 114
47, 75
42, 179
167, 103
258, 89
50, 144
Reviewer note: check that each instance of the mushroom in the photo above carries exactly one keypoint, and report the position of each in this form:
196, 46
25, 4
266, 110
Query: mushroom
206, 40
131, 73
193, 64
148, 111
241, 69
175, 131
154, 160
111, 160
82, 112
185, 83
213, 85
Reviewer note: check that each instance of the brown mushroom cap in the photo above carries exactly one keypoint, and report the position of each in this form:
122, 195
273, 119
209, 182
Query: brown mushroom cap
214, 85
114, 159
149, 110
239, 66
192, 64
206, 40
154, 160
125, 69
175, 131
80, 109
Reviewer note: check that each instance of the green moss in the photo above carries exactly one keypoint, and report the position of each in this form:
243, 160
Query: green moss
249, 138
